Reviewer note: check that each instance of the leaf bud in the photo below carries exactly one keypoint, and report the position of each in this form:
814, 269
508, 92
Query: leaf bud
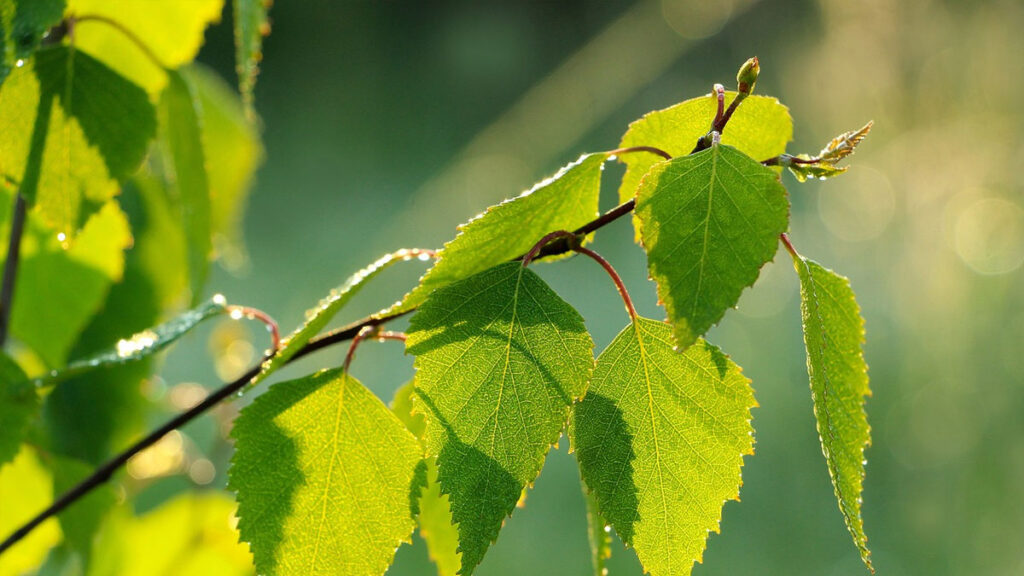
747, 76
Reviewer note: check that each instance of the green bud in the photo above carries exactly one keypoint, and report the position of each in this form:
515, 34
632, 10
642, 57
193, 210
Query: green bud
747, 76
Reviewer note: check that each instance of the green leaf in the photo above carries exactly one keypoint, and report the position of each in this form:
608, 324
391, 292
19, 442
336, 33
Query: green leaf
81, 520
139, 345
193, 534
660, 438
499, 359
598, 534
181, 133
70, 129
22, 25
233, 152
823, 166
48, 315
317, 318
708, 221
172, 32
251, 25
833, 335
19, 404
326, 477
760, 128
566, 201
435, 515
25, 489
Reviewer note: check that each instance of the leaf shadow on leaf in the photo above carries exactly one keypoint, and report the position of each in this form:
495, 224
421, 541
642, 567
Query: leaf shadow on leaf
601, 434
471, 477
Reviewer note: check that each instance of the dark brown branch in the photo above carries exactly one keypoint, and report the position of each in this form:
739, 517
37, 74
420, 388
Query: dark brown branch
18, 213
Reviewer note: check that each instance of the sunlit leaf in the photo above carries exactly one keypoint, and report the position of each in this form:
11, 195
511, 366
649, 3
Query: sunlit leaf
833, 335
48, 315
660, 439
317, 318
566, 201
25, 490
434, 516
233, 152
81, 520
708, 221
760, 128
251, 25
171, 31
181, 136
70, 129
326, 477
19, 403
823, 166
499, 359
23, 23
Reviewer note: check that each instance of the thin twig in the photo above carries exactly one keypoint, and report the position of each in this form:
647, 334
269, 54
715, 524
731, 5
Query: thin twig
18, 213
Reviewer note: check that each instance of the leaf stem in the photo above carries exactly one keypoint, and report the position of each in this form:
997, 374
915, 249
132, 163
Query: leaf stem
239, 312
131, 36
789, 246
369, 333
18, 214
632, 149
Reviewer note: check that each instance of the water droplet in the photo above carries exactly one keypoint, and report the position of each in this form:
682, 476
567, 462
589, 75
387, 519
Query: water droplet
219, 299
135, 344
61, 236
236, 314
424, 256
19, 63
608, 529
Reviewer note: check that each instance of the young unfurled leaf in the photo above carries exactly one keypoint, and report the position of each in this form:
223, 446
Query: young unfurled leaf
139, 345
833, 335
19, 404
499, 359
251, 25
823, 166
172, 31
181, 133
566, 201
660, 438
317, 318
708, 221
70, 129
760, 128
434, 516
326, 476
598, 534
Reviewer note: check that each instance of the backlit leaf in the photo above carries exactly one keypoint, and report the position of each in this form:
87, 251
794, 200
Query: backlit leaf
326, 476
22, 26
25, 490
435, 515
499, 359
566, 201
760, 128
660, 439
19, 404
70, 129
251, 25
172, 32
833, 335
598, 534
824, 165
708, 221
81, 520
181, 137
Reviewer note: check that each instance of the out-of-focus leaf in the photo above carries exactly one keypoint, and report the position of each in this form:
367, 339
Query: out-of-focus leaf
500, 358
81, 521
90, 416
233, 153
326, 478
434, 516
70, 129
173, 32
565, 201
833, 335
251, 25
19, 403
660, 438
25, 489
708, 221
181, 138
23, 23
598, 534
58, 290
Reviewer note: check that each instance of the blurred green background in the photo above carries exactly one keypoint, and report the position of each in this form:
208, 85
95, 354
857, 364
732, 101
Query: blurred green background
388, 123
